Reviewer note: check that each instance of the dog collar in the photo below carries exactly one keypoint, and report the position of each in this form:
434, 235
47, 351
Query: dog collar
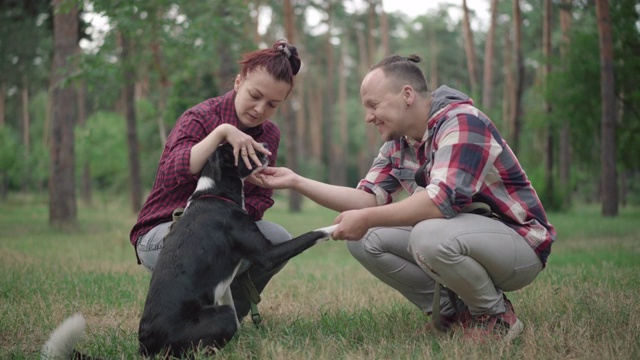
216, 197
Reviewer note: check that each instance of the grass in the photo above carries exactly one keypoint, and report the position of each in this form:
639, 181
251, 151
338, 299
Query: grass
323, 304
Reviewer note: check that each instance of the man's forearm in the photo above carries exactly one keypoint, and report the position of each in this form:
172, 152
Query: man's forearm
337, 198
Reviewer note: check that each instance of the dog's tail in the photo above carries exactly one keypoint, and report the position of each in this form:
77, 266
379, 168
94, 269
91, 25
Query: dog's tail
63, 340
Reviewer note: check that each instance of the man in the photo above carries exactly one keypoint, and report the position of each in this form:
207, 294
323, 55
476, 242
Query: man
441, 140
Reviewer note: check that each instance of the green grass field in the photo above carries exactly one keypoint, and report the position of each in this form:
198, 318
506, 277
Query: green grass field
323, 304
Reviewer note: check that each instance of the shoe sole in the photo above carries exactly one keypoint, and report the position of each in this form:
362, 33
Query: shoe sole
514, 331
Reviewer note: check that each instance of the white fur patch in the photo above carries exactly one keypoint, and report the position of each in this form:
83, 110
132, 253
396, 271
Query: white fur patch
328, 230
221, 289
62, 341
205, 183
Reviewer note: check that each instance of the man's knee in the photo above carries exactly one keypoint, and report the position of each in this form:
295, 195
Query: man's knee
427, 240
369, 245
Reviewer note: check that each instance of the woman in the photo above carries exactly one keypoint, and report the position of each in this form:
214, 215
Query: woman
241, 118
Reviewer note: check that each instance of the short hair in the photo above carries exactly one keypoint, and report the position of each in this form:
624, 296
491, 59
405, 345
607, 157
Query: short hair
281, 61
404, 70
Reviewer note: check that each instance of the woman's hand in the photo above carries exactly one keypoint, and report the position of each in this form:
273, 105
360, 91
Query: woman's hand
244, 146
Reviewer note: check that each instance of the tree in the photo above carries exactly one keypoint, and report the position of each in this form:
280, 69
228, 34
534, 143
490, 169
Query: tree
295, 199
469, 48
128, 96
487, 82
547, 108
609, 178
516, 112
62, 196
565, 140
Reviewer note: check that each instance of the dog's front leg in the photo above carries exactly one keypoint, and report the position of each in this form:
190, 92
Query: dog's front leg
222, 293
328, 230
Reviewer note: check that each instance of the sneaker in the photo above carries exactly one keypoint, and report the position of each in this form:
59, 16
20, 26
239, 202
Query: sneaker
504, 326
448, 323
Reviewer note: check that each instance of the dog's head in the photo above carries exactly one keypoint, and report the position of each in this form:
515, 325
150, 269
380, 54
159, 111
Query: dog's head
222, 162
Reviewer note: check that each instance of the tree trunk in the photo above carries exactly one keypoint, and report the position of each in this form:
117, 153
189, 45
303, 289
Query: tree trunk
295, 199
507, 97
565, 140
371, 41
63, 212
516, 114
161, 70
372, 134
26, 120
329, 100
315, 116
3, 92
487, 82
469, 49
26, 129
384, 32
85, 180
434, 50
130, 115
608, 97
251, 27
342, 143
4, 178
547, 107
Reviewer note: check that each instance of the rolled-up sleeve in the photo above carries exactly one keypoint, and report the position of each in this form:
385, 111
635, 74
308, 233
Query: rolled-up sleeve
465, 151
380, 180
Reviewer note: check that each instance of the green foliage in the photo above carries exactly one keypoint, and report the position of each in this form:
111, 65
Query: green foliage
9, 157
185, 52
102, 143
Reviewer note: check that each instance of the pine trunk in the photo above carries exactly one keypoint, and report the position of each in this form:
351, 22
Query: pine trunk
608, 97
63, 212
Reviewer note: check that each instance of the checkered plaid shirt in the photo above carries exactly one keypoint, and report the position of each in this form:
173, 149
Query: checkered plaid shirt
466, 160
174, 183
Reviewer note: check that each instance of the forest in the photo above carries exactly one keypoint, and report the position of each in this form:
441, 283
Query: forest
89, 90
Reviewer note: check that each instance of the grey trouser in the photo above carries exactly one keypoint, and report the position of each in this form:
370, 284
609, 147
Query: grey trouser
475, 256
150, 244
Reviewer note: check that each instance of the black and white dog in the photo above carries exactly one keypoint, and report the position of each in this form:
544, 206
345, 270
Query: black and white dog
189, 303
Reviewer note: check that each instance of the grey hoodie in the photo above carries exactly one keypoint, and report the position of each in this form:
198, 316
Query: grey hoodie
444, 96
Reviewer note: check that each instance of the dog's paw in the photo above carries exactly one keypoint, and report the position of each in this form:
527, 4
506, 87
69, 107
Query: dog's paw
328, 231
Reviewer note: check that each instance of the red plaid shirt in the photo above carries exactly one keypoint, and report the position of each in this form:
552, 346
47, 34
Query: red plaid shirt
174, 183
467, 160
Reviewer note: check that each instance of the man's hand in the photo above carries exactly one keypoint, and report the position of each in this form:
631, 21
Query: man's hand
352, 225
274, 178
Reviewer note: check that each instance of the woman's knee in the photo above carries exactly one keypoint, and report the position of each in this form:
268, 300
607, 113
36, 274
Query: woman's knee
276, 233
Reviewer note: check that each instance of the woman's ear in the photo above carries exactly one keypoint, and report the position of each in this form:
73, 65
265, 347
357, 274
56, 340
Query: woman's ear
236, 84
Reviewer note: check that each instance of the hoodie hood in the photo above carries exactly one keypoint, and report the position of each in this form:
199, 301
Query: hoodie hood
444, 96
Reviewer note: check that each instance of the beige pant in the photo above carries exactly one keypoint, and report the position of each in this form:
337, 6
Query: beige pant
475, 256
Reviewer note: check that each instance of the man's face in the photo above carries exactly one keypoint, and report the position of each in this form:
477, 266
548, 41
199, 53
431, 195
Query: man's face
258, 97
385, 105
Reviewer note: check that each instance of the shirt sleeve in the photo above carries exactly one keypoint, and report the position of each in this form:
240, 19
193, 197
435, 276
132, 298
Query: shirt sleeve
465, 151
174, 170
379, 180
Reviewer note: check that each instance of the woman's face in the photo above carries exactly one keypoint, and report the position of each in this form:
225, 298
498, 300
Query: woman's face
258, 96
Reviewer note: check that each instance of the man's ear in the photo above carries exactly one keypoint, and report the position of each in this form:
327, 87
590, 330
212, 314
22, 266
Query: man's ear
408, 94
